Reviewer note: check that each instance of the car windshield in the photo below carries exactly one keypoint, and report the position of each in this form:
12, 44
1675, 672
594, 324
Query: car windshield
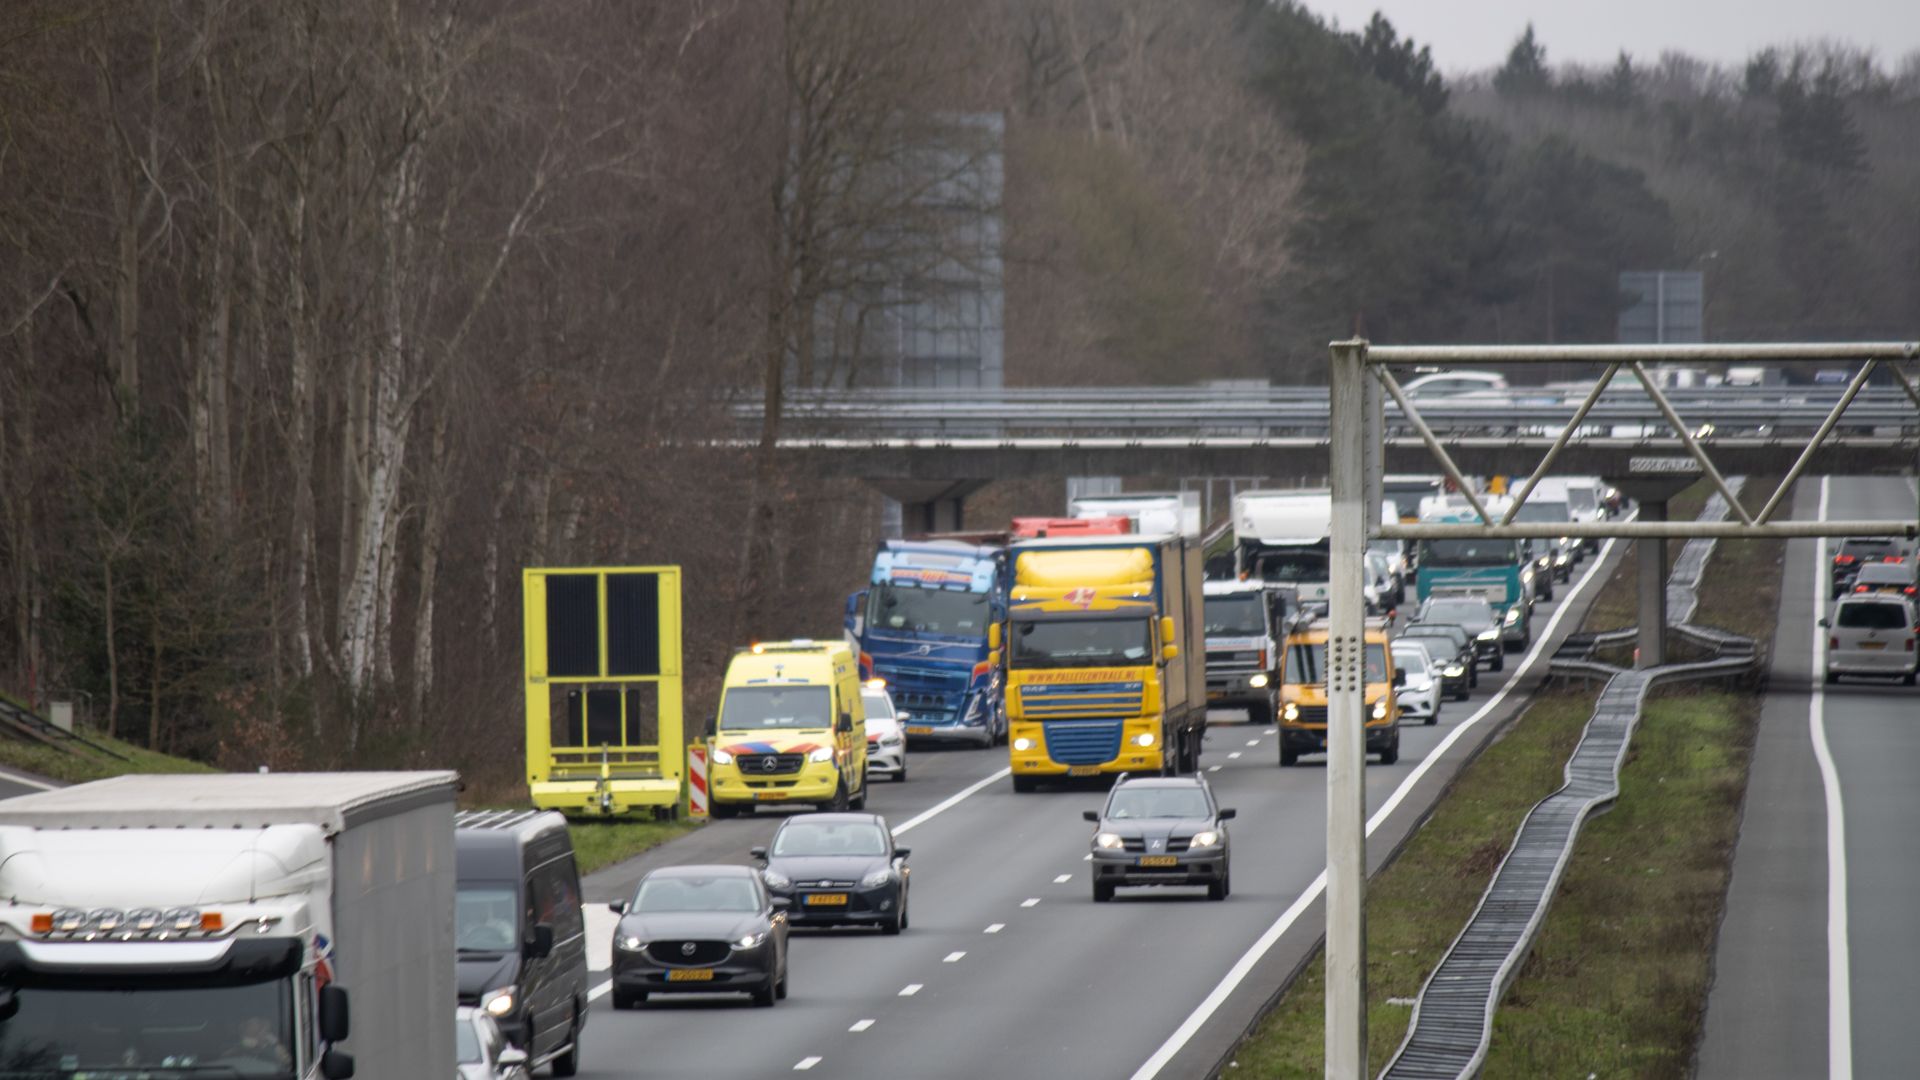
879, 704
749, 707
677, 893
927, 611
802, 838
1412, 661
466, 1042
1308, 663
1874, 616
484, 917
1081, 643
1460, 612
1293, 567
1543, 511
1454, 637
226, 1032
1471, 551
1236, 616
1134, 803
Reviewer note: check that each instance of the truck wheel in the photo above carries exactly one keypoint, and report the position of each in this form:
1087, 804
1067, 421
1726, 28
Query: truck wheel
569, 1063
1024, 784
1260, 713
1288, 758
859, 802
722, 810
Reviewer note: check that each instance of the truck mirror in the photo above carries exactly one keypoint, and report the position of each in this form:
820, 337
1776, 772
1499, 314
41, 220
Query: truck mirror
993, 658
1166, 629
1169, 652
539, 944
335, 1021
336, 1065
993, 635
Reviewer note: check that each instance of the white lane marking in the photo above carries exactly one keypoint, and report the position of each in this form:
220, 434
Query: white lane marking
1839, 963
805, 1064
1238, 972
995, 928
1213, 768
1030, 901
949, 802
1233, 755
1064, 878
1253, 742
953, 957
910, 989
860, 1025
600, 991
1271, 731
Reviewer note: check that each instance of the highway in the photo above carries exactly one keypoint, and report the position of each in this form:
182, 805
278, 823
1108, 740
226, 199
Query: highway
13, 782
1008, 968
1820, 938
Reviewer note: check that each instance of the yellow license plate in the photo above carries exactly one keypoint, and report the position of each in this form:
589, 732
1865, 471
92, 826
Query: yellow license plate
826, 899
1083, 770
764, 795
919, 729
1158, 860
1873, 644
690, 975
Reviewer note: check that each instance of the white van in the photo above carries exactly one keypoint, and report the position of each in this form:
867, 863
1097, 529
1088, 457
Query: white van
1873, 634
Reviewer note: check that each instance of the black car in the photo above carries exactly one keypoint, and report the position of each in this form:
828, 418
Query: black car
1161, 830
1459, 668
838, 870
1857, 551
700, 930
520, 937
1472, 614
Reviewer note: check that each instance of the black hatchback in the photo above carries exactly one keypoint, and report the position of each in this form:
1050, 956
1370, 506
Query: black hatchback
838, 870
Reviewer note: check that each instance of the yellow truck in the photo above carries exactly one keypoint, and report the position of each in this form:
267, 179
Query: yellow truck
1303, 693
791, 729
1106, 663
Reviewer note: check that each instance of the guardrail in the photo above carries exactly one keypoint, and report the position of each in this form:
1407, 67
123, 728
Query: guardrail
1453, 1017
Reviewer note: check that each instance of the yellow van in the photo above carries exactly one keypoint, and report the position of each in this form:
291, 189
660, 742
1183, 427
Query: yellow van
1303, 694
790, 729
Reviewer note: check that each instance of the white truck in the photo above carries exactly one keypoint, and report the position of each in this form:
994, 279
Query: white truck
183, 927
1284, 538
1176, 513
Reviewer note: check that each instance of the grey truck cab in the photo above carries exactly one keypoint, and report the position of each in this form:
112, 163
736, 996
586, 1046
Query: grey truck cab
519, 934
1244, 630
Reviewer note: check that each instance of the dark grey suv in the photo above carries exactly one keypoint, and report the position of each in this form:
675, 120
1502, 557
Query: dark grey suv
1161, 830
700, 930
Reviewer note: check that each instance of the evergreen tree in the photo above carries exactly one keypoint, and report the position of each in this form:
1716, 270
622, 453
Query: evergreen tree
1817, 130
1525, 71
1395, 61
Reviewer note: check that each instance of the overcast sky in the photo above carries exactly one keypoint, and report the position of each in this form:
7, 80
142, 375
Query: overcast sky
1469, 35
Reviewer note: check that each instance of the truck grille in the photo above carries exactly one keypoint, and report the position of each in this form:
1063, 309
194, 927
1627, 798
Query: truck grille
758, 764
704, 954
1092, 699
1083, 742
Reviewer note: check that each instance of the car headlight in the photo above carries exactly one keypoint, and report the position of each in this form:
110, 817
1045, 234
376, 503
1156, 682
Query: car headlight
629, 943
1513, 615
1290, 713
1423, 684
1109, 841
499, 1002
1259, 681
721, 757
1454, 671
1145, 739
1205, 838
820, 755
776, 880
751, 941
877, 878
890, 740
1380, 709
1492, 632
1023, 744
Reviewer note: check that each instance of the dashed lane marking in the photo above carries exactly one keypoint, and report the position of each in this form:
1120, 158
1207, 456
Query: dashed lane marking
953, 957
805, 1064
995, 928
1030, 901
910, 989
860, 1025
1063, 879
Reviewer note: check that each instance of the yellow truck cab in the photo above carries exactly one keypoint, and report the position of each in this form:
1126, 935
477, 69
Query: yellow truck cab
1303, 693
790, 729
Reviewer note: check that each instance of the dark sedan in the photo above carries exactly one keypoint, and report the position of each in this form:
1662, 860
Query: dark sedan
1472, 614
1159, 830
838, 870
700, 930
1453, 649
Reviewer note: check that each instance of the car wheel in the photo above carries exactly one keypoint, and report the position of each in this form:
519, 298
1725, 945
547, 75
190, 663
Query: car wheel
1910, 678
893, 926
1500, 660
764, 997
901, 776
1391, 755
1024, 784
1217, 889
780, 988
906, 909
1102, 892
1473, 678
569, 1063
1434, 716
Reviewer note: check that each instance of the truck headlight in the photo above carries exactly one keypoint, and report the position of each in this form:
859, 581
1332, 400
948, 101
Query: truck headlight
1204, 838
1290, 713
1143, 740
877, 878
1513, 615
1380, 709
820, 755
1023, 744
499, 1002
1109, 841
721, 757
1492, 633
1259, 681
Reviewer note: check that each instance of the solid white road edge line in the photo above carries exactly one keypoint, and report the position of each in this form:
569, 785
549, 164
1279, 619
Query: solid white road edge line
24, 780
1839, 965
1238, 972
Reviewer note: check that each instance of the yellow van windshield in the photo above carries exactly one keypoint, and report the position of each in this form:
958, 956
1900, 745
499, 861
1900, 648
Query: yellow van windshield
750, 707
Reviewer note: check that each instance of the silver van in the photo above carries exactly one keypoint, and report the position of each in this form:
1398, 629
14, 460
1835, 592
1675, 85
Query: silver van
1873, 634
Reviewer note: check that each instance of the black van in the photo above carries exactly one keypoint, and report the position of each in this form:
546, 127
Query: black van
521, 938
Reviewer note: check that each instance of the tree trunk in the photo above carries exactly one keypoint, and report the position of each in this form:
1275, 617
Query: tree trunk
490, 562
433, 527
153, 691
113, 653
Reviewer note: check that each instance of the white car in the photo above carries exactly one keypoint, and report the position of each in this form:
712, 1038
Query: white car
484, 1053
886, 741
1873, 634
1419, 696
1463, 386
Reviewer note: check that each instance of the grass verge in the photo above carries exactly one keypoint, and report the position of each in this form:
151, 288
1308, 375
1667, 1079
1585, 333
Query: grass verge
81, 764
600, 844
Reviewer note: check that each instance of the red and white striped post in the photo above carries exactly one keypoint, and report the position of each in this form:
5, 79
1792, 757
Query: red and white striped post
697, 780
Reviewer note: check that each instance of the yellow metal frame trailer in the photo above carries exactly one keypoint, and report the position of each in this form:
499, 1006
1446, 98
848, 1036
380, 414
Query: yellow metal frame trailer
603, 689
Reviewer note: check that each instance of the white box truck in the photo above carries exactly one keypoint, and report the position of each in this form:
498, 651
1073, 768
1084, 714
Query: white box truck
1173, 512
219, 926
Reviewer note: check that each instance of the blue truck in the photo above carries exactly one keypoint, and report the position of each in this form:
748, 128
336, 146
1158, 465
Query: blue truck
921, 624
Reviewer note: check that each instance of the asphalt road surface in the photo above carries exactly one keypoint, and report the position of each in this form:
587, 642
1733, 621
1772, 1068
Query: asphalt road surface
1789, 974
1009, 969
14, 782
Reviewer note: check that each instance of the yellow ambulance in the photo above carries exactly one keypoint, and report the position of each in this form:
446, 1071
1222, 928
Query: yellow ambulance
790, 729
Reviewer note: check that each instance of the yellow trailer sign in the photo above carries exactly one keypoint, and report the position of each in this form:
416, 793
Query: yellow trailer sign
603, 683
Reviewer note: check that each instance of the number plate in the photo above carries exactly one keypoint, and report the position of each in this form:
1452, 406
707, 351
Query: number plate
1158, 860
765, 795
919, 729
826, 899
1083, 770
690, 975
1873, 644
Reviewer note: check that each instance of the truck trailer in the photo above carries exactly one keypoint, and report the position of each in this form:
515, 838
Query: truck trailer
219, 925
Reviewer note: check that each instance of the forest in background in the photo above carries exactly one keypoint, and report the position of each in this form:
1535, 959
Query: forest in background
320, 319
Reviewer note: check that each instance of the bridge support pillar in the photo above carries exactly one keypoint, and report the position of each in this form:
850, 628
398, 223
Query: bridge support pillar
1652, 649
930, 506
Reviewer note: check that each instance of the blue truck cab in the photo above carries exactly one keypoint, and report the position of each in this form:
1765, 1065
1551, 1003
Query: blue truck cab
921, 625
1502, 571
